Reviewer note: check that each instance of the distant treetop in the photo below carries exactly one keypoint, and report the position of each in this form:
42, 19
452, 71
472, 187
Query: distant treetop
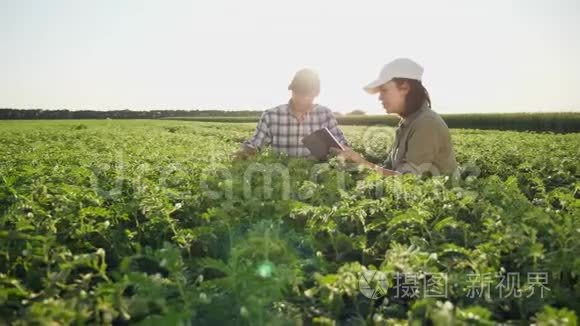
357, 112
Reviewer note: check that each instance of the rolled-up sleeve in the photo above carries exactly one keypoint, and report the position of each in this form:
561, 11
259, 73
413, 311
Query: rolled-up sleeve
262, 136
335, 130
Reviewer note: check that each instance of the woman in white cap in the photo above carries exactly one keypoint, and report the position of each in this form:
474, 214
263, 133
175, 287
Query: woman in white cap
422, 142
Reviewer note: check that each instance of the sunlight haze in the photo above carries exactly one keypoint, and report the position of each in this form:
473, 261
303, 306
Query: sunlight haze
479, 56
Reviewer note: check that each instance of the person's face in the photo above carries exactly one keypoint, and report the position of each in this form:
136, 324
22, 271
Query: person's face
393, 97
303, 101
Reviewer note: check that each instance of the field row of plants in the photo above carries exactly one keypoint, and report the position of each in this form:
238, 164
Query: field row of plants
561, 122
151, 222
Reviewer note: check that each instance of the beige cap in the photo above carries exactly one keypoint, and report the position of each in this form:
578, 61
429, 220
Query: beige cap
305, 81
401, 68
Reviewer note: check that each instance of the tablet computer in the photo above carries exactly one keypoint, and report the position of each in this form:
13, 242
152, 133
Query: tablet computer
320, 142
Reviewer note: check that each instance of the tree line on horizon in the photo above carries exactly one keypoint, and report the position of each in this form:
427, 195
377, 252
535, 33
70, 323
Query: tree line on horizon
559, 122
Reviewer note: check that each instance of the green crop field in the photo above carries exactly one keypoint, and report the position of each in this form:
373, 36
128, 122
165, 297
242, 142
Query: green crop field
561, 122
151, 222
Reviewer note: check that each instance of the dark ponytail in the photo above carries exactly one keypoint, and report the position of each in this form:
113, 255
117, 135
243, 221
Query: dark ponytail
416, 97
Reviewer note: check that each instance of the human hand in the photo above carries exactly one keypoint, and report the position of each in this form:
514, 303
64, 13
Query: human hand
242, 154
348, 154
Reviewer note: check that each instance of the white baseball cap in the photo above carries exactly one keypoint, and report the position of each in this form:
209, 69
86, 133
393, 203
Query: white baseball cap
398, 68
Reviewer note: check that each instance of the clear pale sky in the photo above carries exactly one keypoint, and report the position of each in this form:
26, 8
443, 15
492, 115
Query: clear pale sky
479, 56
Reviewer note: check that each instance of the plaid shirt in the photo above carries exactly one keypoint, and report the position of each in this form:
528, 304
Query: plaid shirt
280, 129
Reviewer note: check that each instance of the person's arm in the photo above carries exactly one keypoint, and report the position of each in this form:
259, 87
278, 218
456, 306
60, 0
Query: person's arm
353, 156
261, 138
379, 169
335, 130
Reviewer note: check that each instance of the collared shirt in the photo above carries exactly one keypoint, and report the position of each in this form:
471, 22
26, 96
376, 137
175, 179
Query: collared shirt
279, 128
422, 144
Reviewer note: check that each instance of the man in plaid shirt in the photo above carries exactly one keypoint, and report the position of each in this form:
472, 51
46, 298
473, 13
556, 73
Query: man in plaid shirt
284, 126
